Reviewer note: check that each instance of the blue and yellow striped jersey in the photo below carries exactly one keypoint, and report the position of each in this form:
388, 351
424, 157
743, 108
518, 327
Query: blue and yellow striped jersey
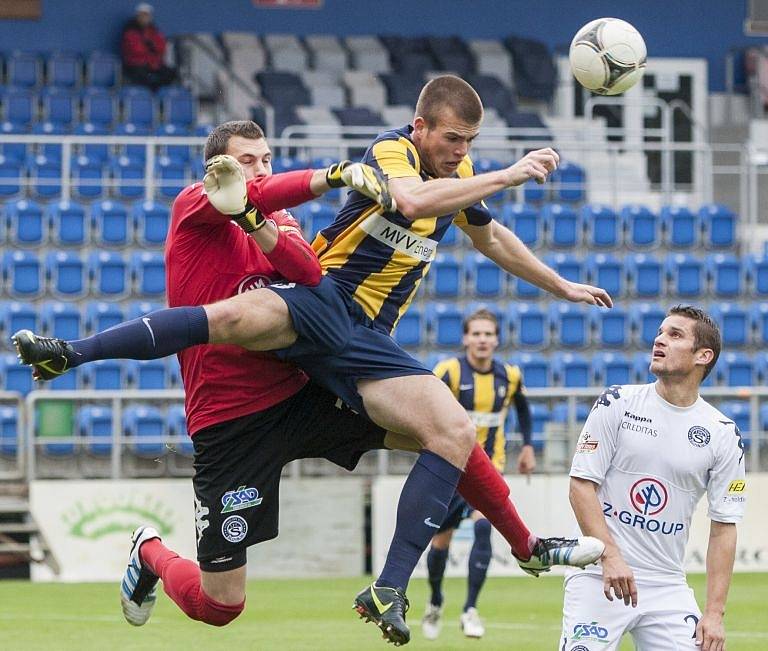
382, 258
486, 397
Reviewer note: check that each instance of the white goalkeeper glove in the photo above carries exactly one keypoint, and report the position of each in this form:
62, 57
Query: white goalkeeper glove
363, 178
224, 183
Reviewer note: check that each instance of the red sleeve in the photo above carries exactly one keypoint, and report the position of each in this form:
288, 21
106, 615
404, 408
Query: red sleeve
134, 50
192, 206
293, 257
279, 191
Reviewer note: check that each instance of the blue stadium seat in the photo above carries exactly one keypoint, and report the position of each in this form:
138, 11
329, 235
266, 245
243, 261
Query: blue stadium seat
759, 318
177, 426
179, 153
283, 89
147, 373
178, 106
452, 53
138, 106
646, 275
525, 222
111, 226
403, 88
535, 368
9, 430
571, 325
734, 323
686, 275
16, 316
739, 412
19, 106
534, 193
88, 175
681, 226
446, 276
445, 324
12, 151
70, 381
408, 53
136, 151
410, 328
641, 225
529, 324
105, 375
757, 270
45, 174
94, 423
560, 412
66, 272
138, 309
540, 416
52, 151
26, 226
571, 370
174, 372
532, 123
612, 327
15, 377
67, 222
24, 69
736, 370
64, 70
151, 220
286, 164
611, 368
564, 227
102, 69
719, 226
727, 277
640, 363
606, 271
101, 315
60, 106
146, 426
11, 171
485, 277
568, 181
109, 274
535, 74
483, 165
128, 174
314, 217
95, 150
172, 176
24, 274
568, 266
149, 273
647, 319
99, 106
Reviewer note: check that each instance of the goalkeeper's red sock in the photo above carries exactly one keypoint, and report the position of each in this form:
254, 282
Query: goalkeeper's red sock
485, 489
181, 582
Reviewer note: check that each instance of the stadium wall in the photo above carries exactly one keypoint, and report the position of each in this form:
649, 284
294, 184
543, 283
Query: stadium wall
708, 28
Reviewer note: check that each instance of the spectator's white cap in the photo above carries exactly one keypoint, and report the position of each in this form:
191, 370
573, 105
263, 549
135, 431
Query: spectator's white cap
144, 7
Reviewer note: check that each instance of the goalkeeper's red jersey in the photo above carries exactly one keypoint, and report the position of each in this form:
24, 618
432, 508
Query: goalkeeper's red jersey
209, 258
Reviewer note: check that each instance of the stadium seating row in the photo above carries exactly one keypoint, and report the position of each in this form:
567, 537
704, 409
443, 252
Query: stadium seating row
61, 69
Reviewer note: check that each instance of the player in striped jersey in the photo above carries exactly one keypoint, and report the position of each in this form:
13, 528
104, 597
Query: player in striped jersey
486, 387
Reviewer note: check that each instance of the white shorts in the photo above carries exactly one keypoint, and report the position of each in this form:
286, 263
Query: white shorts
665, 618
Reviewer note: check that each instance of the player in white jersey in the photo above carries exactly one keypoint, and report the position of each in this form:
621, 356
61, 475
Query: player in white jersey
645, 457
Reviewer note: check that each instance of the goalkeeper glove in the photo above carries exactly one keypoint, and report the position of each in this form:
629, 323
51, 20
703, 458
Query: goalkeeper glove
363, 178
224, 183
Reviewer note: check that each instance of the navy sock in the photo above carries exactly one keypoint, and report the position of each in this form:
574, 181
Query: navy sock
479, 559
421, 510
436, 560
158, 334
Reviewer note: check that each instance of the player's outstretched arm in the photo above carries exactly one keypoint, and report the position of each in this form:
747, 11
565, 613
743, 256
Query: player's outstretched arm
721, 552
357, 176
617, 575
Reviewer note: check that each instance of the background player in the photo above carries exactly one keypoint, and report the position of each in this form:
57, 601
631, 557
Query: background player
645, 457
485, 386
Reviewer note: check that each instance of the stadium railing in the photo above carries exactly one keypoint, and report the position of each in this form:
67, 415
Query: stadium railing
13, 441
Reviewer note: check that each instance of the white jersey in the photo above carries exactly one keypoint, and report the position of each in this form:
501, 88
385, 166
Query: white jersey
653, 461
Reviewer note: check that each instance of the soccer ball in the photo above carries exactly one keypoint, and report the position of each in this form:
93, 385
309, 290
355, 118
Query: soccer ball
607, 56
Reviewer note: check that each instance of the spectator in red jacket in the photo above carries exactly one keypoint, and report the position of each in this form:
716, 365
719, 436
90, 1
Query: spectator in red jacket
143, 49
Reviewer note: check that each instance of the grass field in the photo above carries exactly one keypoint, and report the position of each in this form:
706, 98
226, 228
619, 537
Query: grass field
316, 615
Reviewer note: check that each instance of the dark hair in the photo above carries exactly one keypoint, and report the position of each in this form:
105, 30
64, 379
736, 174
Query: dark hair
484, 314
218, 139
706, 333
449, 92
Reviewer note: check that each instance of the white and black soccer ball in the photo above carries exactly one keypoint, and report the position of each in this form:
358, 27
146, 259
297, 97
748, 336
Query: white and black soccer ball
607, 56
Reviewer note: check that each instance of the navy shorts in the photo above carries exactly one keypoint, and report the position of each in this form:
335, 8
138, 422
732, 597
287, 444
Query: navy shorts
337, 344
458, 509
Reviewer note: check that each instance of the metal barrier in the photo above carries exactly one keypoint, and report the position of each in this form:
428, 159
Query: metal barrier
12, 465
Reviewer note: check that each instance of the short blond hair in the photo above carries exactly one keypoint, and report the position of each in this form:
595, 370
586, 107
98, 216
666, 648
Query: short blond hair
449, 92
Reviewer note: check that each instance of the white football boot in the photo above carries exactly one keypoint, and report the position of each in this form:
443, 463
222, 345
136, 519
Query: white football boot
471, 624
574, 552
138, 590
432, 623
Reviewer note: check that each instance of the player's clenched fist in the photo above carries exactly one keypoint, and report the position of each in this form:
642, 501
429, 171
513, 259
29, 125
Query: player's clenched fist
535, 165
224, 183
363, 178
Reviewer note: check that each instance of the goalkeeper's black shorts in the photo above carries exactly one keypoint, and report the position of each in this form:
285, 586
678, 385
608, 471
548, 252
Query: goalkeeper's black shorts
238, 464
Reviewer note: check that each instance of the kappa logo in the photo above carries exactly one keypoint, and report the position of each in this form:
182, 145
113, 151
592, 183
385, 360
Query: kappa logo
698, 436
605, 397
201, 523
234, 528
240, 498
254, 281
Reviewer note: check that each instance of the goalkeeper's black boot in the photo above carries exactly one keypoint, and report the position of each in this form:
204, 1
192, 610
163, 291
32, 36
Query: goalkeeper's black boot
47, 356
385, 607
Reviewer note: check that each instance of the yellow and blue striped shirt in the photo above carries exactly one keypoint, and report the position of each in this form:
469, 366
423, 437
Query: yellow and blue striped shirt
382, 258
486, 397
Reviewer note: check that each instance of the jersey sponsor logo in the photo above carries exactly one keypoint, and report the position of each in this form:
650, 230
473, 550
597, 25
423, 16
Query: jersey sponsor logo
605, 397
635, 417
399, 238
586, 445
698, 436
254, 281
487, 419
648, 496
283, 285
637, 427
737, 486
201, 523
644, 523
240, 498
591, 631
234, 528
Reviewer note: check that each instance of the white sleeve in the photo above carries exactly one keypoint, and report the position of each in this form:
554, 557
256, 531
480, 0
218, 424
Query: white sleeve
726, 489
597, 441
